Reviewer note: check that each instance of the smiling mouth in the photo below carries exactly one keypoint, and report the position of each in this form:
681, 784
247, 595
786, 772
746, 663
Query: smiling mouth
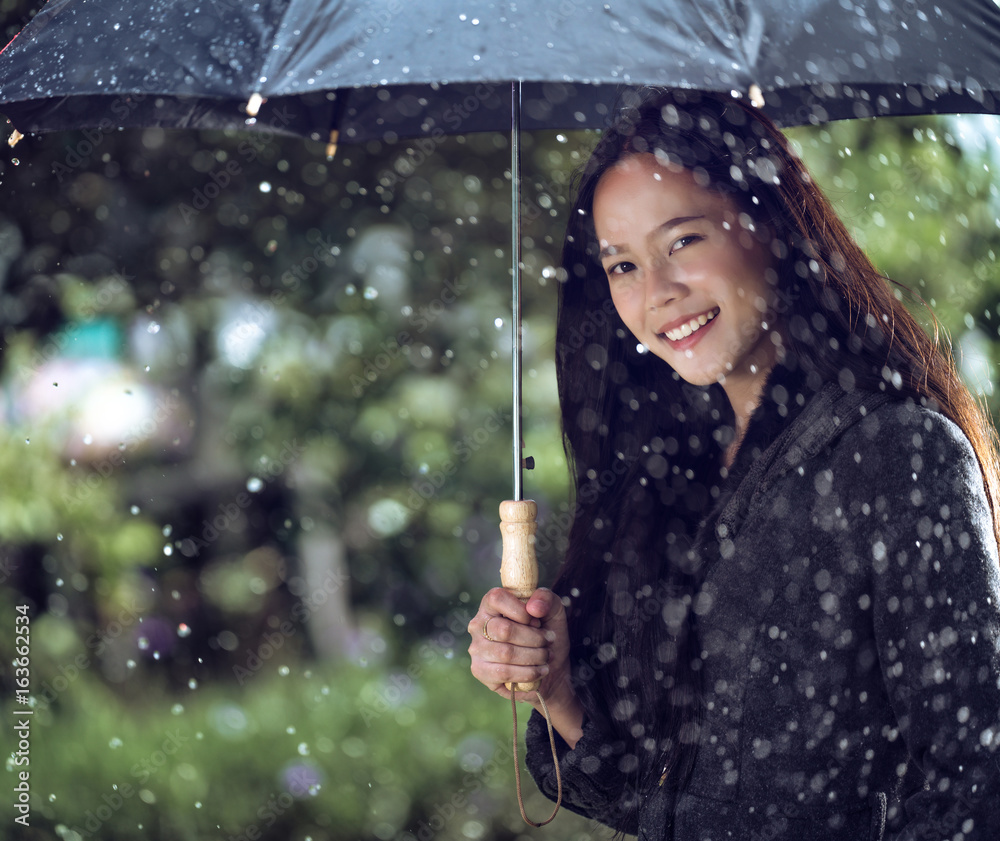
692, 326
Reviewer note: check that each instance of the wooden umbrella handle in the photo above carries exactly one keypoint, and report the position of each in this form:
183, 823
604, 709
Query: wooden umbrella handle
518, 565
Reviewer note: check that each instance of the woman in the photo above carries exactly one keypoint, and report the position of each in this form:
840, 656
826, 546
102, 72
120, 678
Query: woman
778, 613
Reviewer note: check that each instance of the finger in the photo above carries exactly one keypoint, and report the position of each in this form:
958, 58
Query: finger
496, 675
493, 627
506, 654
499, 629
501, 602
529, 697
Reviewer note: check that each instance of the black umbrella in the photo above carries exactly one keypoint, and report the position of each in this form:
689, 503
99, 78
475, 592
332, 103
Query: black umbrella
385, 69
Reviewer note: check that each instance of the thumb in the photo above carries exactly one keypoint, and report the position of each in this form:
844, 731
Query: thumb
544, 604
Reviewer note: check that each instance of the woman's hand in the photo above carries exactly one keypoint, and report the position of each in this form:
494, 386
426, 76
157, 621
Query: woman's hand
515, 642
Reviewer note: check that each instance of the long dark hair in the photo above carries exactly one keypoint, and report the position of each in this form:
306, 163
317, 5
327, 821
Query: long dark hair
646, 449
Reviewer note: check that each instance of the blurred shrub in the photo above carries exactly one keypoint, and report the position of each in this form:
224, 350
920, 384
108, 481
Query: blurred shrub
416, 752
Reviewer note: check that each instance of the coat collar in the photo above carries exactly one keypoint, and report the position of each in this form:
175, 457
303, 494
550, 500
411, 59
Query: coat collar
793, 423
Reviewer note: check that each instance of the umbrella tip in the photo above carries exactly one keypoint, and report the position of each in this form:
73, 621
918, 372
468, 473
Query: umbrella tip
331, 147
254, 103
14, 138
756, 96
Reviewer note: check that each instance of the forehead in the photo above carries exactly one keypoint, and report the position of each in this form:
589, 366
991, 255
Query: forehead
639, 185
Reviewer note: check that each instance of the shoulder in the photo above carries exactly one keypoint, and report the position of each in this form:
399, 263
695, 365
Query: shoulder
900, 435
918, 464
870, 433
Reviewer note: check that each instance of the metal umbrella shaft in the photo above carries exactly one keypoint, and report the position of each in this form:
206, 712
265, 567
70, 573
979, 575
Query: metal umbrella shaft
515, 250
518, 566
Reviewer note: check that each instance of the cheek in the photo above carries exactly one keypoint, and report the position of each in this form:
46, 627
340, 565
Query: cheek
626, 302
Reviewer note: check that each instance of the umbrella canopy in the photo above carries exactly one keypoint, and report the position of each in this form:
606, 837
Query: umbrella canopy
386, 68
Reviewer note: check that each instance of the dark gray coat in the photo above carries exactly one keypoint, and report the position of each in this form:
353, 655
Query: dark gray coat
850, 626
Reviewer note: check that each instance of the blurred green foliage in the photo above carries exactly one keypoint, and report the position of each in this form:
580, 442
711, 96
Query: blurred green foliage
253, 439
329, 752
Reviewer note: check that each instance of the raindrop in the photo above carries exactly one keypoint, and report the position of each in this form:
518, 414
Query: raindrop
183, 630
153, 327
192, 684
303, 749
59, 536
115, 742
168, 550
498, 323
371, 293
254, 484
265, 186
143, 644
177, 709
15, 161
134, 509
284, 671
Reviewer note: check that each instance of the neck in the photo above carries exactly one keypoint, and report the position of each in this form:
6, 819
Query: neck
745, 391
744, 395
729, 456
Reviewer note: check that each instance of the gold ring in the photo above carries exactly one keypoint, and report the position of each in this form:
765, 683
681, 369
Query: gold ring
486, 625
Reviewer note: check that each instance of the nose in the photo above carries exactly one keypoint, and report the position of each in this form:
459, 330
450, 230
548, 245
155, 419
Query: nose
662, 287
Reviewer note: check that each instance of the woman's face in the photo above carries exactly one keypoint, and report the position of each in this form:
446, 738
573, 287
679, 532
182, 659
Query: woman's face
687, 276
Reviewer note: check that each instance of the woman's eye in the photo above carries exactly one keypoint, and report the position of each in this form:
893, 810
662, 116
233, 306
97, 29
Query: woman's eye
684, 241
620, 268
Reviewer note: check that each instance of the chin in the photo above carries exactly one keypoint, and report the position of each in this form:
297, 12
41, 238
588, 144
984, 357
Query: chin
700, 378
704, 382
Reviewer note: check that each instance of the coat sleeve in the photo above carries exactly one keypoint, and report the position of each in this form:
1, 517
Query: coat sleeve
593, 783
936, 612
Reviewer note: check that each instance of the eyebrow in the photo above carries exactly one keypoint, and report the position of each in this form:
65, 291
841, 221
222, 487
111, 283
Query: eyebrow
611, 250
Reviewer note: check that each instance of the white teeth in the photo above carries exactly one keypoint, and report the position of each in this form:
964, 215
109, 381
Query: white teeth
691, 326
